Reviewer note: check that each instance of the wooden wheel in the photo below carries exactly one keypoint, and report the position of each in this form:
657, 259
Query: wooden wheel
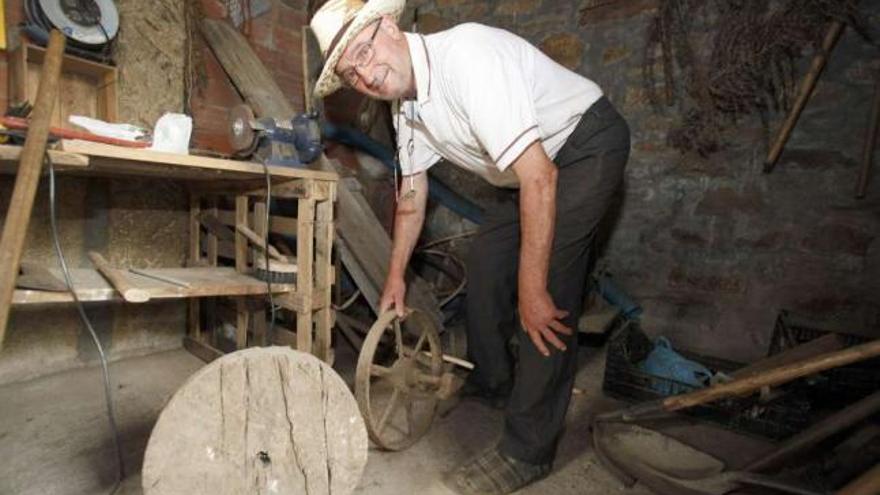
397, 379
261, 420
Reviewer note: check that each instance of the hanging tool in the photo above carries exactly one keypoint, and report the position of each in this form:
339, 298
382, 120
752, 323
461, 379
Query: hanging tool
804, 92
119, 280
870, 143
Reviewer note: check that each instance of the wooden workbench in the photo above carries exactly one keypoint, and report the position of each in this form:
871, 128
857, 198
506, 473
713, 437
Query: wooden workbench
220, 267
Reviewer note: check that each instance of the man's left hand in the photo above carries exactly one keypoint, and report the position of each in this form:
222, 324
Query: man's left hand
542, 320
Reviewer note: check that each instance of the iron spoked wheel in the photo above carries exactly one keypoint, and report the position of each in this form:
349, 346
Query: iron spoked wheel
398, 375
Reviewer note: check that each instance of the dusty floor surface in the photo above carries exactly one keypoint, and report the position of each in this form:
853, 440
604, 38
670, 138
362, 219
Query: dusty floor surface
55, 437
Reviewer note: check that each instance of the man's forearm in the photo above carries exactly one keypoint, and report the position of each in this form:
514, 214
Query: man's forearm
408, 219
537, 217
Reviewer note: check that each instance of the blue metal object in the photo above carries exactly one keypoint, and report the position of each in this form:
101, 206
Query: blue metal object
437, 190
293, 143
616, 296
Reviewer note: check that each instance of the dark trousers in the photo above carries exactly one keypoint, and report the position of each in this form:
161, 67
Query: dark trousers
591, 165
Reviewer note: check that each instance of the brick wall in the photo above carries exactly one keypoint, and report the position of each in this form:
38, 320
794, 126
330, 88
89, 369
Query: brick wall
277, 40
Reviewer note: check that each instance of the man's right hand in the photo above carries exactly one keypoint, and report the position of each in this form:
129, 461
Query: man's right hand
394, 294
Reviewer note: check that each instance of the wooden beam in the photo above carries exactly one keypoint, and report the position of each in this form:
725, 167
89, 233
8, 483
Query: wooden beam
28, 178
248, 74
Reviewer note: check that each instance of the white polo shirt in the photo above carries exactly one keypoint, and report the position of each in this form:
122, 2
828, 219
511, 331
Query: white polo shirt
483, 96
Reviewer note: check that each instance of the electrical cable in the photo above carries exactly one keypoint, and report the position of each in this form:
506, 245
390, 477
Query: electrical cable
348, 302
85, 319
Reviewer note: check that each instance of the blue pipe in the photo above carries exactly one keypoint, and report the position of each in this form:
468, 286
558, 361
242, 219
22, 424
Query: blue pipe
437, 190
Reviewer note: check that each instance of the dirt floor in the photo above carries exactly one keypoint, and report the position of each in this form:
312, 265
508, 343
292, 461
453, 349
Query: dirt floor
55, 437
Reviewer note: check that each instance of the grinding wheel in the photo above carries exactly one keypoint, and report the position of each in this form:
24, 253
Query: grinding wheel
261, 420
242, 136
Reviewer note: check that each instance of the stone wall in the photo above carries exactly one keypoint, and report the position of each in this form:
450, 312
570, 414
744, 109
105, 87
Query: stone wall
712, 247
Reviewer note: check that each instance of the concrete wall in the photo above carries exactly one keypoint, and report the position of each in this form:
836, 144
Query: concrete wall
712, 247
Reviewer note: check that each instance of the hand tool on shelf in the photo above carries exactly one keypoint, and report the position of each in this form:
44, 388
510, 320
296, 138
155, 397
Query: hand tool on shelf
119, 280
18, 123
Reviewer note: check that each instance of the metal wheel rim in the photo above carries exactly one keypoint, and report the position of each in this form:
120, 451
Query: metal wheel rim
376, 420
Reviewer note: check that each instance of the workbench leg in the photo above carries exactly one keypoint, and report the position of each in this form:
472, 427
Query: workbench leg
242, 321
324, 280
261, 228
305, 285
212, 243
212, 250
194, 258
241, 243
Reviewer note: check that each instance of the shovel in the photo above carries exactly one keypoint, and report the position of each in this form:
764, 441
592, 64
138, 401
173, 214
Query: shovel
670, 467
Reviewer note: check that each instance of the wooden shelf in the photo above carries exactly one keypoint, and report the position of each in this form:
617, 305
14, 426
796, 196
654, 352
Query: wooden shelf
104, 159
214, 281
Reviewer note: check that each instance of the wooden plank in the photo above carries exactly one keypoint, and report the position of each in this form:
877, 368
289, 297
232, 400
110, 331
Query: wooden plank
277, 224
114, 158
21, 204
369, 247
241, 219
305, 246
62, 160
271, 420
324, 279
120, 280
205, 281
248, 74
201, 350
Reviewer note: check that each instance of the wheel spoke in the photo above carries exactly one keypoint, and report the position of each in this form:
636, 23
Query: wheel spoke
420, 343
388, 410
379, 371
398, 339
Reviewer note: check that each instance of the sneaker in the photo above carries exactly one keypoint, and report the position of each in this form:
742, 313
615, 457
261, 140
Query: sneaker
493, 473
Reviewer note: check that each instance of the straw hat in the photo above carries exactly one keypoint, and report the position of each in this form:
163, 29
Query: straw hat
336, 23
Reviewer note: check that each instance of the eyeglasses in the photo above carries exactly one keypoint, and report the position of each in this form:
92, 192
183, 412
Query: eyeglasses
362, 56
